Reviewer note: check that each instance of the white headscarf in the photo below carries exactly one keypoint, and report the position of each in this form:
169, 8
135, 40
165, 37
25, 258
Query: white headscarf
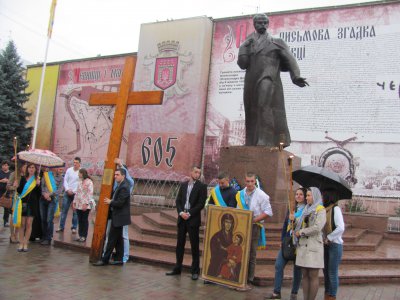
310, 208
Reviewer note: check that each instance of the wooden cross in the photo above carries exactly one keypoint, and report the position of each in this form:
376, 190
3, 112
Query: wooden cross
121, 100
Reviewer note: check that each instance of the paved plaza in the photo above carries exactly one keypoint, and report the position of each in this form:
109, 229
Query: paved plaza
57, 273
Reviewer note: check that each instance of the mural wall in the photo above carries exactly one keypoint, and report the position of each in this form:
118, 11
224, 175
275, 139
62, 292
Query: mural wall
347, 119
166, 140
83, 130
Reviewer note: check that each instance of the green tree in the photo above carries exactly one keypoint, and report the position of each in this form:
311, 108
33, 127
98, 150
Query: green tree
13, 115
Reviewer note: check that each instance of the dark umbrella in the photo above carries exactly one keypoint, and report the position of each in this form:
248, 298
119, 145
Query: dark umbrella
323, 179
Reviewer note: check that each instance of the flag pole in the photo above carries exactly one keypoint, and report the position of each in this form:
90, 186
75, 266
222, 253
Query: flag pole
49, 31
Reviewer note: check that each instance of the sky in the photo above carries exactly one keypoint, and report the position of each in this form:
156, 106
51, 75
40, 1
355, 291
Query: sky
88, 28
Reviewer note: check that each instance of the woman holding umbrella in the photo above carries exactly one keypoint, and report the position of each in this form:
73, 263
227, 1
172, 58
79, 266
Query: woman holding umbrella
310, 249
29, 193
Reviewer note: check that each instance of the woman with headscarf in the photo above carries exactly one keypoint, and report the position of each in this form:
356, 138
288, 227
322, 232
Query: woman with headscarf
309, 241
333, 243
281, 262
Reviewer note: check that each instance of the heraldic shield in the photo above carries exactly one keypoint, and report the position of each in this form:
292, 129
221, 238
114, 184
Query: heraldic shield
166, 71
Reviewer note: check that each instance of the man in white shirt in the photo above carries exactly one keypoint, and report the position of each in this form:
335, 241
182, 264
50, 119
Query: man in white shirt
258, 202
71, 180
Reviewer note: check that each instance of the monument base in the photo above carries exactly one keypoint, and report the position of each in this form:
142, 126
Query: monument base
270, 165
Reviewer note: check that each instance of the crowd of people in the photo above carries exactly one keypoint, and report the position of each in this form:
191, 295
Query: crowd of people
316, 225
36, 203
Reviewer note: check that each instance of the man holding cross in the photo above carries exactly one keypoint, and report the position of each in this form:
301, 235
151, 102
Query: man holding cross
119, 213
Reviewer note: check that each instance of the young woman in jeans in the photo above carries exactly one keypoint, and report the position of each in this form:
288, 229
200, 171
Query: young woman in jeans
81, 203
281, 262
333, 243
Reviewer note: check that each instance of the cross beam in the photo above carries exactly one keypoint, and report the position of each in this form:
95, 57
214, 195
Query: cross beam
121, 100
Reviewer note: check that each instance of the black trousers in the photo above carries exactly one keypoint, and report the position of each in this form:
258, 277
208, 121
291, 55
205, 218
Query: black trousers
83, 221
116, 241
183, 228
6, 215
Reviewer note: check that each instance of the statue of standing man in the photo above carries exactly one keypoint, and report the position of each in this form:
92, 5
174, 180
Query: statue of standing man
264, 57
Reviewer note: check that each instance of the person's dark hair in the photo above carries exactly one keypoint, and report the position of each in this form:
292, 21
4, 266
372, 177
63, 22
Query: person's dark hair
304, 190
251, 174
122, 171
27, 167
78, 159
84, 174
5, 162
223, 175
329, 196
240, 237
229, 217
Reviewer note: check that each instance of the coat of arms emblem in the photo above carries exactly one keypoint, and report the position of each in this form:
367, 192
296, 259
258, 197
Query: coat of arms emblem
167, 68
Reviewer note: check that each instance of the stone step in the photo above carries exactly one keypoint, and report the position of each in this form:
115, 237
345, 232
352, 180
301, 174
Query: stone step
158, 220
348, 273
352, 235
159, 224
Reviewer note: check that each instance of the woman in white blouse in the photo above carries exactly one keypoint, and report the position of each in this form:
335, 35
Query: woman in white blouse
333, 243
81, 203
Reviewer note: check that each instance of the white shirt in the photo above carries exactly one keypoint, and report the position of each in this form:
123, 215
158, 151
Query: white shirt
336, 235
259, 203
71, 180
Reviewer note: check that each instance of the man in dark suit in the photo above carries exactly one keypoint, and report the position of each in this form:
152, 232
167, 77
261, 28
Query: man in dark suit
189, 203
120, 216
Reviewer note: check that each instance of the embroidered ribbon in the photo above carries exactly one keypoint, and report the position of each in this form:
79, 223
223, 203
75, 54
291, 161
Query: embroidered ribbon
241, 203
218, 200
17, 209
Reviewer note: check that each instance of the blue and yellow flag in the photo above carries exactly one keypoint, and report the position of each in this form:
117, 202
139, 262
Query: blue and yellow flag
216, 194
17, 209
241, 203
51, 20
52, 187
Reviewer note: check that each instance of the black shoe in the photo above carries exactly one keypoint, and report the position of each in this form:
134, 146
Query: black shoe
116, 263
273, 296
173, 272
60, 230
45, 243
195, 276
208, 282
99, 263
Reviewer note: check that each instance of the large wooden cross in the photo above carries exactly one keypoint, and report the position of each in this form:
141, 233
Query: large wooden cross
121, 100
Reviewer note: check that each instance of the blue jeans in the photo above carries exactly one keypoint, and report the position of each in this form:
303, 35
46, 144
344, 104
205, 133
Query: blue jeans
47, 210
332, 258
280, 264
67, 200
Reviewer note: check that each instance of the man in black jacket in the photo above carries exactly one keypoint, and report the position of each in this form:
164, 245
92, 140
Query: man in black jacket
120, 216
189, 203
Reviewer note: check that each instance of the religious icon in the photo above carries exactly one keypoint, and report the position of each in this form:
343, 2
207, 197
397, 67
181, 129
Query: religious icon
227, 246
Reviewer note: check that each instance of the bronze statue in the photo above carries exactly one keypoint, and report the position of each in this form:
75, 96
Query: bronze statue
264, 57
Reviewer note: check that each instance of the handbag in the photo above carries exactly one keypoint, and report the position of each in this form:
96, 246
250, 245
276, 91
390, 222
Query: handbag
288, 249
6, 200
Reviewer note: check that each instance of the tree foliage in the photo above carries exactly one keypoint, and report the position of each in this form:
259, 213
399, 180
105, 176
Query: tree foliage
13, 115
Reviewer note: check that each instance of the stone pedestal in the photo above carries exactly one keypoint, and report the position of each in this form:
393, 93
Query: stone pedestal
268, 165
